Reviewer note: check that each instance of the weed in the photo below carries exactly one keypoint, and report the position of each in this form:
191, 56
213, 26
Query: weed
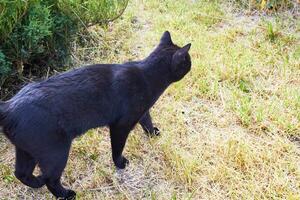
224, 128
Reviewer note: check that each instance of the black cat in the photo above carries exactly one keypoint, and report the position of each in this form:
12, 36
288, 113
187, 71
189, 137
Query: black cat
44, 117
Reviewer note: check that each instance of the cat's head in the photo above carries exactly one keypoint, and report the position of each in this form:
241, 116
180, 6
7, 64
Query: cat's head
180, 60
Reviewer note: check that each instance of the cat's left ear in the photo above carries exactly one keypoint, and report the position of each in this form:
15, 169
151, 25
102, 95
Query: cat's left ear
166, 38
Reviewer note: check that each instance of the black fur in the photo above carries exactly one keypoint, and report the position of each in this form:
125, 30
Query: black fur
44, 117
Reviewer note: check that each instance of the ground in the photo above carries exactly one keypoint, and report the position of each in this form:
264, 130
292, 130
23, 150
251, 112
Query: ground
229, 130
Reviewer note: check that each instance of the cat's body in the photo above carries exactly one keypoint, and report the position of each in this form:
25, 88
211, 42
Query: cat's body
88, 97
44, 117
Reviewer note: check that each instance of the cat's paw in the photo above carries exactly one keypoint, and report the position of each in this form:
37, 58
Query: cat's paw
71, 195
152, 132
121, 162
156, 131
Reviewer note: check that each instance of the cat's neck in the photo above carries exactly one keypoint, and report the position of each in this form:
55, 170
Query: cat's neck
157, 74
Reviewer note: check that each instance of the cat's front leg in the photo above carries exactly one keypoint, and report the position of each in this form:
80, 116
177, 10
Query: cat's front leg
147, 125
118, 137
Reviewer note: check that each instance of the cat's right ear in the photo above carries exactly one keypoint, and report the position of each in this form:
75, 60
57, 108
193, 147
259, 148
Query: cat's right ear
166, 39
180, 55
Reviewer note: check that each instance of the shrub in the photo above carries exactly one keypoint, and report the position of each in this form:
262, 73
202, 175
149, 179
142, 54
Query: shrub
10, 13
4, 65
91, 12
28, 39
36, 35
268, 5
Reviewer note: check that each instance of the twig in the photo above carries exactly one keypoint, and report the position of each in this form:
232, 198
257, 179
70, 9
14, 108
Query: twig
113, 19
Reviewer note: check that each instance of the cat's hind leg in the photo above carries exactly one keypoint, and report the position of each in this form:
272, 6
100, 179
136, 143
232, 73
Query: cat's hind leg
25, 165
52, 164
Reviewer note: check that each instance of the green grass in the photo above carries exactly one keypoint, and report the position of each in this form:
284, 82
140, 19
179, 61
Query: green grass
225, 126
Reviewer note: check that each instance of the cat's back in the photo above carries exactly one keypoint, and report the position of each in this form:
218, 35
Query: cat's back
91, 77
83, 79
70, 98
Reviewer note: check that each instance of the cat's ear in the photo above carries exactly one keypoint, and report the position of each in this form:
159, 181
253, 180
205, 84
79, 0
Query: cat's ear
180, 54
184, 50
166, 38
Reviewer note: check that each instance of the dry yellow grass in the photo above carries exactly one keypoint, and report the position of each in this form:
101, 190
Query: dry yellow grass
226, 127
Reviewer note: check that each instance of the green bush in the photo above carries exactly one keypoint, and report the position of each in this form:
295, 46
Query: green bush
91, 12
36, 35
28, 39
10, 14
268, 5
4, 65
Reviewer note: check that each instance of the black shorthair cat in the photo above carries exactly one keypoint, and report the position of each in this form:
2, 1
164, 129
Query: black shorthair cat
44, 117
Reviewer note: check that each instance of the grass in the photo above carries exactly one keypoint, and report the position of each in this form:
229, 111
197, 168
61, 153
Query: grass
229, 128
